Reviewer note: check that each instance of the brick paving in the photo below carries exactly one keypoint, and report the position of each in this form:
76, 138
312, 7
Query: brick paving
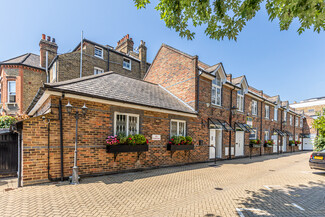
277, 185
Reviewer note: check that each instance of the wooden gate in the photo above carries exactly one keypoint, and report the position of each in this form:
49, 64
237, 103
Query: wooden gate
8, 153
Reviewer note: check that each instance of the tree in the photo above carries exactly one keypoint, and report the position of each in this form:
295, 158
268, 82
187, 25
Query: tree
319, 125
227, 18
6, 121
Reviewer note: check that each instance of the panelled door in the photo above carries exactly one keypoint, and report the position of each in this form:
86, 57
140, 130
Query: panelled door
239, 149
275, 146
215, 143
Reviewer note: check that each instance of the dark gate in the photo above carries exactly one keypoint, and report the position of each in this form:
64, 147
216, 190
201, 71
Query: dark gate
8, 153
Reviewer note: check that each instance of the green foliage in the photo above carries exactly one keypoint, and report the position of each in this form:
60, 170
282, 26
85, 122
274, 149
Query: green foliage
6, 121
139, 139
122, 138
178, 140
188, 140
320, 143
227, 18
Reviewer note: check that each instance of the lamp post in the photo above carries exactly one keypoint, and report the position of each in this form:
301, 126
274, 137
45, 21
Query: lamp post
84, 109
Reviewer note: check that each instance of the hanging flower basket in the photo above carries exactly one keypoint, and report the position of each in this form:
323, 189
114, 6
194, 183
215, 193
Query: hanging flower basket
255, 143
268, 143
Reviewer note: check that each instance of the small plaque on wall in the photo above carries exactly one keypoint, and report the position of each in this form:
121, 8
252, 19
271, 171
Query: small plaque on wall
156, 137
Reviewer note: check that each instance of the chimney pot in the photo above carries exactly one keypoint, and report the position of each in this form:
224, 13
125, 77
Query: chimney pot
53, 40
43, 36
48, 38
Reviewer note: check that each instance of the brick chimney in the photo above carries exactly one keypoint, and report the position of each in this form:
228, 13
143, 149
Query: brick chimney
125, 45
47, 45
143, 58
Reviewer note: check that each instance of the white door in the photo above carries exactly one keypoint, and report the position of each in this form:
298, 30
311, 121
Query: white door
308, 145
216, 142
275, 146
284, 144
239, 149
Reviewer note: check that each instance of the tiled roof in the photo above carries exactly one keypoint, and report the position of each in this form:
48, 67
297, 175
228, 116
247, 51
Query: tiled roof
28, 59
237, 80
273, 98
212, 68
112, 86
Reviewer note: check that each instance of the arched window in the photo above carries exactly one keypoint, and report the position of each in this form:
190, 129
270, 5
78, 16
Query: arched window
216, 90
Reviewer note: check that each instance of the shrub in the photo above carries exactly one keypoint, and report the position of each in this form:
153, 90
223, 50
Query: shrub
139, 139
180, 140
319, 143
6, 121
188, 140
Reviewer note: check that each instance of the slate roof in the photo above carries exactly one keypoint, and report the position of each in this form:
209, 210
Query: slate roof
28, 59
116, 87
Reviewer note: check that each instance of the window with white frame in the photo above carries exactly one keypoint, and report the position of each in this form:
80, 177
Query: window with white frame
285, 116
177, 128
267, 111
296, 137
275, 114
301, 122
291, 120
254, 107
98, 70
266, 135
54, 72
216, 91
126, 63
297, 122
253, 134
240, 100
127, 124
11, 91
98, 52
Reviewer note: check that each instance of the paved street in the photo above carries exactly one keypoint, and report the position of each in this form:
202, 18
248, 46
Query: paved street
263, 186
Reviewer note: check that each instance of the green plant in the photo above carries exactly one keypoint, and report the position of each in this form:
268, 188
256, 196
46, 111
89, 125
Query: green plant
122, 138
291, 142
6, 121
189, 140
319, 143
178, 140
139, 139
255, 141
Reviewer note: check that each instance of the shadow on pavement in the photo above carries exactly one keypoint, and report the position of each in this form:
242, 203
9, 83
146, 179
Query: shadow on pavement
299, 200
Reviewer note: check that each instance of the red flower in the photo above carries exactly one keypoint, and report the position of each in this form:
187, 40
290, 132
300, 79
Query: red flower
170, 142
147, 141
172, 139
130, 138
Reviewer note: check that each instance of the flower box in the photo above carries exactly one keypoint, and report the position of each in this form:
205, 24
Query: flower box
126, 148
254, 145
172, 147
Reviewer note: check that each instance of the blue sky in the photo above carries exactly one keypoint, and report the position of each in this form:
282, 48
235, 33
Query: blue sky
281, 63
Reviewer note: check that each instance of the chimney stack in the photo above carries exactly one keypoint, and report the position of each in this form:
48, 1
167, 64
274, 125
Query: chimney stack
143, 58
125, 45
47, 45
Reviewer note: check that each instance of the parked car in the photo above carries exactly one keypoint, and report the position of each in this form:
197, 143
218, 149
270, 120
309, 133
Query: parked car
317, 160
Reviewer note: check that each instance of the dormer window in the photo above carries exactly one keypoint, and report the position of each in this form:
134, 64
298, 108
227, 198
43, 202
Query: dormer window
240, 100
126, 63
216, 91
98, 52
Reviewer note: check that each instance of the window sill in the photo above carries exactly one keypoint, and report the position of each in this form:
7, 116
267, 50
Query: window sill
216, 106
127, 68
99, 57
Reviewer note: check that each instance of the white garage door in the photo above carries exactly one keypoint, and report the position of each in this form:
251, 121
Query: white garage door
308, 145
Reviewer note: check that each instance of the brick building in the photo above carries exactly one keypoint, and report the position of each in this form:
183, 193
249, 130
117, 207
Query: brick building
97, 58
179, 95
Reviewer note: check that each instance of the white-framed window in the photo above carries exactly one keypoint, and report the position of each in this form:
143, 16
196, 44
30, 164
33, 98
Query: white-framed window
54, 72
266, 135
126, 123
98, 52
296, 137
11, 91
240, 100
126, 63
98, 70
290, 138
275, 114
301, 122
285, 116
216, 91
291, 120
311, 110
177, 128
267, 111
253, 134
297, 122
254, 107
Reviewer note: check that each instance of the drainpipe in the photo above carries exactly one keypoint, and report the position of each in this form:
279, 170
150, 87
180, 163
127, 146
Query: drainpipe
230, 119
282, 132
108, 59
48, 150
261, 130
19, 159
61, 136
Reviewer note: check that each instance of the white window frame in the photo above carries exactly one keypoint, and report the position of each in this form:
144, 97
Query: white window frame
54, 72
297, 122
301, 122
268, 135
8, 94
267, 111
127, 121
217, 87
290, 120
128, 68
99, 48
240, 101
285, 116
177, 121
275, 114
254, 107
255, 133
98, 69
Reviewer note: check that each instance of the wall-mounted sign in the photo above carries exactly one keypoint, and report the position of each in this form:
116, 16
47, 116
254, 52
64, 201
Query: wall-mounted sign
156, 137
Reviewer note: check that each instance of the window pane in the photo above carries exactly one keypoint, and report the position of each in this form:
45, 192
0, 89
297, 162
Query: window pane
213, 95
181, 131
12, 86
120, 124
218, 96
173, 130
133, 125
